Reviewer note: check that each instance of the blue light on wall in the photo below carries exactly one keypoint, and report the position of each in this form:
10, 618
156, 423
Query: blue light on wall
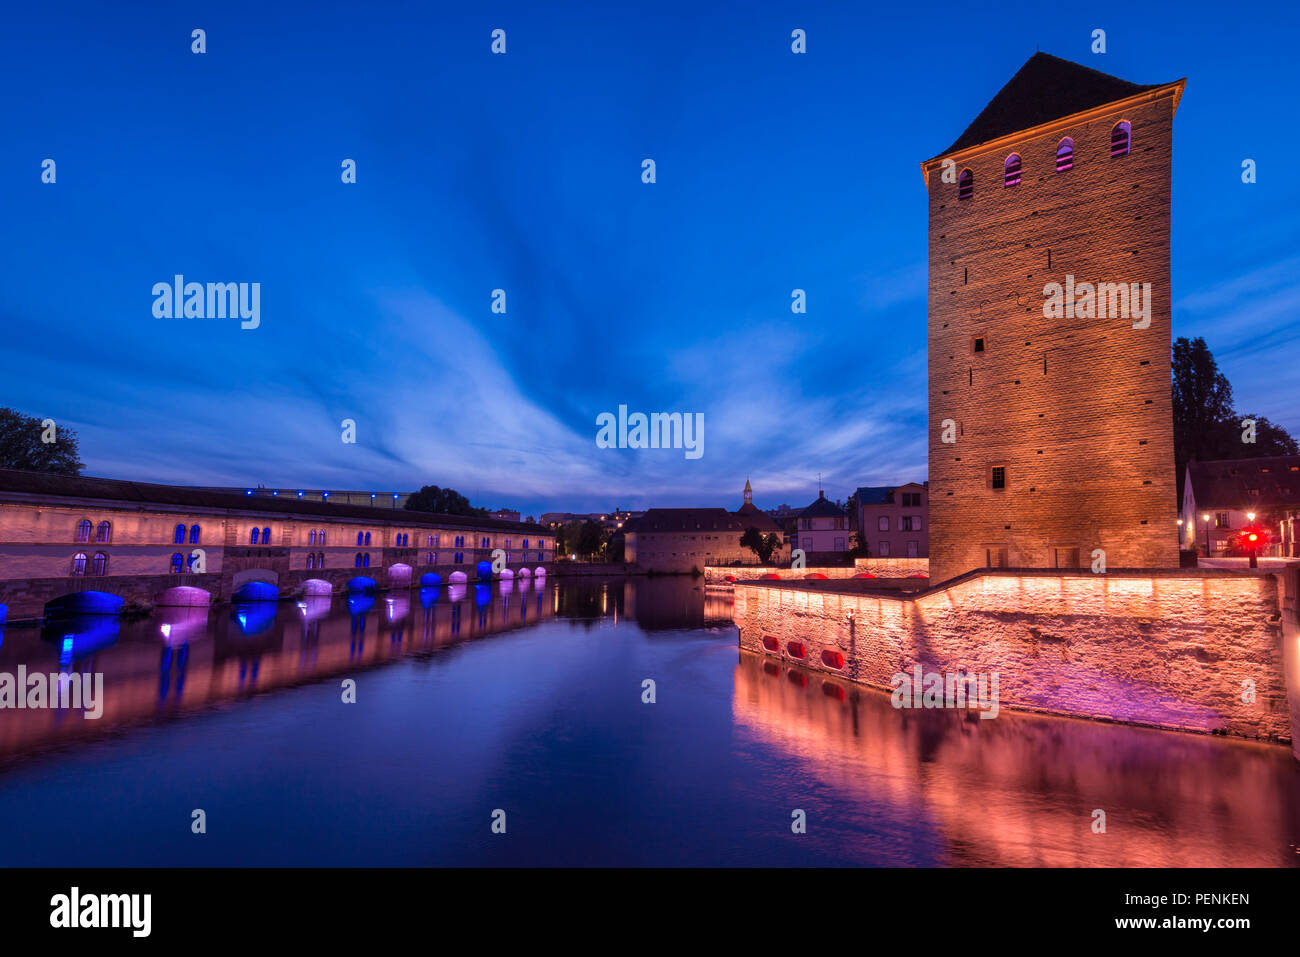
257, 591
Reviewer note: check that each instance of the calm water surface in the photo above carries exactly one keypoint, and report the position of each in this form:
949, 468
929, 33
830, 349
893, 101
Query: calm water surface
527, 698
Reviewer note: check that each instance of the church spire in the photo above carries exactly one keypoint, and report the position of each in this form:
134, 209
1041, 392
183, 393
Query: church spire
749, 492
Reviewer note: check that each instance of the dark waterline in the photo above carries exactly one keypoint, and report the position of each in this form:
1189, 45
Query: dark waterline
528, 698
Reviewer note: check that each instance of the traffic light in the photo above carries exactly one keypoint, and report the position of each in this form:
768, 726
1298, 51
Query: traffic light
1252, 539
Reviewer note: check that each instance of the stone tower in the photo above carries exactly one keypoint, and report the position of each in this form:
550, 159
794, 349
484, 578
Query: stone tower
1051, 425
749, 493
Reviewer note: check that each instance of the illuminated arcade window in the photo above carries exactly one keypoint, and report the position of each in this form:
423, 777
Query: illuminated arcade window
104, 533
99, 565
83, 530
79, 563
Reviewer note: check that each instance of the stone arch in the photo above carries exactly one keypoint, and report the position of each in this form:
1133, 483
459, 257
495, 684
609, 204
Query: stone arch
183, 596
267, 575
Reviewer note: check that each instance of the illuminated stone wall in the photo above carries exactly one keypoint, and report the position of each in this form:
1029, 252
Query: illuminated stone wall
1169, 649
893, 567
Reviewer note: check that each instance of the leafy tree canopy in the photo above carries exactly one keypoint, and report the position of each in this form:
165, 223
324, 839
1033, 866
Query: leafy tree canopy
28, 443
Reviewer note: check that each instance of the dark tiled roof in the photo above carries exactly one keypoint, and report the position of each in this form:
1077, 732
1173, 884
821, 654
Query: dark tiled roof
684, 520
750, 514
874, 494
822, 508
701, 520
1229, 483
1046, 88
142, 493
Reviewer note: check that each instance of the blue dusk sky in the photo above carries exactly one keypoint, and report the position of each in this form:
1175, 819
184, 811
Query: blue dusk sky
522, 172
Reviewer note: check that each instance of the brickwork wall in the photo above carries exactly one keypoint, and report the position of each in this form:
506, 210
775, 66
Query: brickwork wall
892, 567
1169, 651
1078, 410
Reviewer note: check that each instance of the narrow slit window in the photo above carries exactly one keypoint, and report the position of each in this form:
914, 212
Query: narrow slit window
965, 185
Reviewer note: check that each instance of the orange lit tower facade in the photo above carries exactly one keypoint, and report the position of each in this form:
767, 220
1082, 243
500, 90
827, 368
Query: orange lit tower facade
1051, 422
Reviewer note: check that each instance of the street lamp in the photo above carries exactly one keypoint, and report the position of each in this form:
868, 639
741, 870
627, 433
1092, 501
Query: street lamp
1206, 519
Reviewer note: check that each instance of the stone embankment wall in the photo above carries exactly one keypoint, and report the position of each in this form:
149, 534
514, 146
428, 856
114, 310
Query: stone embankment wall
1176, 649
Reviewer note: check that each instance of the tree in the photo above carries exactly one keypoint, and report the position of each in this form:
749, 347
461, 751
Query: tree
761, 545
1206, 427
444, 501
591, 538
860, 547
28, 443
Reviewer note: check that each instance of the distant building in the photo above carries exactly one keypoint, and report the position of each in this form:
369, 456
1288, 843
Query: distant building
505, 514
1219, 497
895, 520
823, 528
62, 534
611, 521
682, 539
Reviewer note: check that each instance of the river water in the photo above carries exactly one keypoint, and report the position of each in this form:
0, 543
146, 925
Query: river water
523, 704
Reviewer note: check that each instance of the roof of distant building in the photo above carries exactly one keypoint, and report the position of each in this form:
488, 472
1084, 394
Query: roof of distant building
822, 508
144, 493
1046, 88
1268, 482
755, 517
700, 519
881, 494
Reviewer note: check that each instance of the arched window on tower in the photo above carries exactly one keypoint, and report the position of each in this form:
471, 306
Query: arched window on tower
1065, 155
1011, 171
1121, 138
965, 185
